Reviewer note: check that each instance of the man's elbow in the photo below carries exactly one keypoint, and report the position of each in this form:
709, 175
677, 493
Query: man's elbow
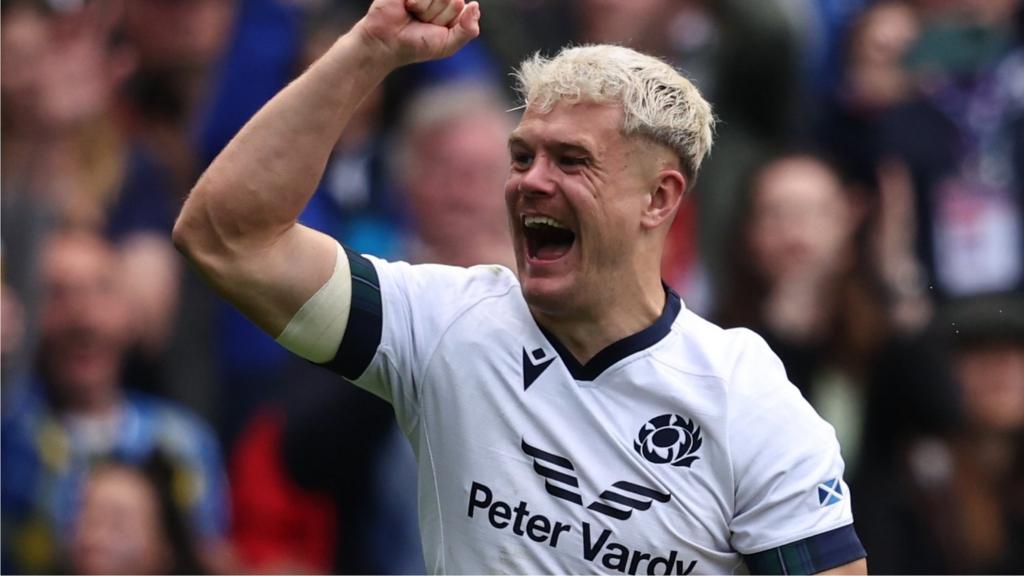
187, 230
195, 236
195, 233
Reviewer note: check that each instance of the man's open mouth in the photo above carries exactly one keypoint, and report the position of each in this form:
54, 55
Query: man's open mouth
546, 238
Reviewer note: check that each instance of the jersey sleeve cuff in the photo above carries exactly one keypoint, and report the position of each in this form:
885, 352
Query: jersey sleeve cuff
811, 555
365, 320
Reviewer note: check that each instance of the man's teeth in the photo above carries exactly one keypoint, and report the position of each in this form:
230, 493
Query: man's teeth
537, 221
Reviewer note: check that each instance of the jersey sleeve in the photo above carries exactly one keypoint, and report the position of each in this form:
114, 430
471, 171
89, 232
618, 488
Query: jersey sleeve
792, 510
398, 315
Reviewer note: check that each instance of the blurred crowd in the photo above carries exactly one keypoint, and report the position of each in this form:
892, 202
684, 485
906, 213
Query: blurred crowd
863, 210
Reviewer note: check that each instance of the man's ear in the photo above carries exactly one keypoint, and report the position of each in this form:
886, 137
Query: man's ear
665, 198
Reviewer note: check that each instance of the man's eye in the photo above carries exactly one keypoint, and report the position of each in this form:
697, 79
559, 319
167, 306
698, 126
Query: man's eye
572, 161
521, 160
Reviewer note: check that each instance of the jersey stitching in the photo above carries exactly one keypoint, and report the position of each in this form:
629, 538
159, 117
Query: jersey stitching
419, 400
709, 374
458, 316
728, 418
695, 373
415, 402
437, 495
728, 414
387, 353
749, 343
728, 454
407, 394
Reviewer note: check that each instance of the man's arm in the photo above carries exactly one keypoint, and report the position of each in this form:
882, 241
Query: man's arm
239, 225
855, 567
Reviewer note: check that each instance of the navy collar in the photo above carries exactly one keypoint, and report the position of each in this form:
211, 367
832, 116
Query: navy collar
622, 348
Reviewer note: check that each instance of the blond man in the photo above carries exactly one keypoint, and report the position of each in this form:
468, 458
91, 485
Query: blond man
571, 416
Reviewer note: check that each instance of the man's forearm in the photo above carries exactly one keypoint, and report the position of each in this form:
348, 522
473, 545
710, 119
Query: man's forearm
257, 187
239, 226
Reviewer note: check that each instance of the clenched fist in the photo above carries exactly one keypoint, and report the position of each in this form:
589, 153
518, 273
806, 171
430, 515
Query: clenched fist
417, 30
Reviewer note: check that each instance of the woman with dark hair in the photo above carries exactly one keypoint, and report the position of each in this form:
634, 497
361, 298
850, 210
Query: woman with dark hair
130, 523
822, 277
820, 271
800, 280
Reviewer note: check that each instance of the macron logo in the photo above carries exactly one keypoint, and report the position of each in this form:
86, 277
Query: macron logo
534, 365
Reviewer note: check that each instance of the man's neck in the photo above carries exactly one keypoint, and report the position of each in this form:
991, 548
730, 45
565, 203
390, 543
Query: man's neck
586, 334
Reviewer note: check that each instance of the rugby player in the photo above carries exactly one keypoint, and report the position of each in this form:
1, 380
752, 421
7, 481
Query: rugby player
573, 416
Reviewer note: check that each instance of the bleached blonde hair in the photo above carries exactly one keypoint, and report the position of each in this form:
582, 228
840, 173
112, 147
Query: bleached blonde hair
659, 103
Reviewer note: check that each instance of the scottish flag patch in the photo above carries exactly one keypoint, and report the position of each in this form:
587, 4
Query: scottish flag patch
830, 492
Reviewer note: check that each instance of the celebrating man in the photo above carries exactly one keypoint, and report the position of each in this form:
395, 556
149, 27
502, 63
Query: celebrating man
572, 417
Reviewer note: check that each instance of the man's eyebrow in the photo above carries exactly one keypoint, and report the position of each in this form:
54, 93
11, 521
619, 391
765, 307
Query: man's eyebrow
561, 145
572, 146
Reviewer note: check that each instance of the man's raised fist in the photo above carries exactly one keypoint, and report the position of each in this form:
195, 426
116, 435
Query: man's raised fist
417, 30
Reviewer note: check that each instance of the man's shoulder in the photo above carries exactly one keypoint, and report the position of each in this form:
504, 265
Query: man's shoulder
724, 353
447, 286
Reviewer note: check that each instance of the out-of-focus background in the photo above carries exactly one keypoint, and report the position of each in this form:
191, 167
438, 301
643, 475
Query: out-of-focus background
863, 209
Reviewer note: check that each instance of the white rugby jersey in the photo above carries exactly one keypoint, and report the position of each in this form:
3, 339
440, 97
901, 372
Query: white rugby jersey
682, 449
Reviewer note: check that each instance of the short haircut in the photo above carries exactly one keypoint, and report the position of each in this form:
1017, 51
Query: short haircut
659, 103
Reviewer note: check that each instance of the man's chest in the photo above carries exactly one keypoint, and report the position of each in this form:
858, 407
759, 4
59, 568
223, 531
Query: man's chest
628, 471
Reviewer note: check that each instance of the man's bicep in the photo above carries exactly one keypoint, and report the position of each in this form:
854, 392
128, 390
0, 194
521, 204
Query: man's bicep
271, 284
793, 512
855, 567
836, 549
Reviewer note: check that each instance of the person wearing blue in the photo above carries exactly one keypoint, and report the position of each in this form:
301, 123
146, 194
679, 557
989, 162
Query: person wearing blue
75, 412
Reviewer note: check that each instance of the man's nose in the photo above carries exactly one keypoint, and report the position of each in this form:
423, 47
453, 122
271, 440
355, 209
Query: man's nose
538, 178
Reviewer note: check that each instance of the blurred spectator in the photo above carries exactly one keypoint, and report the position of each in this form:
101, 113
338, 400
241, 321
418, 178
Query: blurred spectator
129, 522
987, 534
954, 502
204, 67
178, 46
77, 410
62, 65
63, 156
12, 326
68, 159
802, 280
797, 284
962, 140
640, 24
873, 81
822, 27
278, 527
452, 164
854, 344
342, 442
515, 29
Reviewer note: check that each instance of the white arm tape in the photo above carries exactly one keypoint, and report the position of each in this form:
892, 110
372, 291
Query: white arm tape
316, 330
